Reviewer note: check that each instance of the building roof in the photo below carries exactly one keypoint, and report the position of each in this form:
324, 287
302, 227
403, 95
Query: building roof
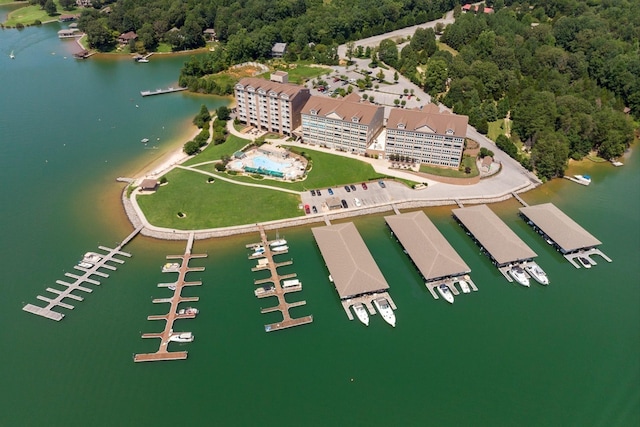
500, 241
257, 83
352, 268
428, 120
209, 31
130, 35
564, 231
279, 48
341, 109
149, 184
427, 247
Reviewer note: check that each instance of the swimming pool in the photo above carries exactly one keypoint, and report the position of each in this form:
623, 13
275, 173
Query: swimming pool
268, 164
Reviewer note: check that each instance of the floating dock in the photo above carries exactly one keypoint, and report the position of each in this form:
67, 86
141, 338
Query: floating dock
355, 274
496, 240
162, 91
166, 335
559, 230
79, 280
430, 252
278, 289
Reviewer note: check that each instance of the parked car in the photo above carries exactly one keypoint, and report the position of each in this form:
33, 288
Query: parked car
318, 193
346, 187
381, 183
314, 209
353, 187
307, 210
357, 202
364, 186
344, 204
313, 192
330, 191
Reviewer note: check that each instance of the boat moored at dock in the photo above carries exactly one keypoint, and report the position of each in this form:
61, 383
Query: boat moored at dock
537, 273
361, 313
385, 310
278, 242
182, 337
280, 248
445, 292
189, 311
170, 267
291, 283
519, 275
464, 286
84, 264
263, 290
584, 261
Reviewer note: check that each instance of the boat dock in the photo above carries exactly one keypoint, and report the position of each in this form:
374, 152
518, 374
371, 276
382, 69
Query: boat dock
353, 271
266, 262
79, 280
174, 301
162, 91
496, 240
566, 235
437, 261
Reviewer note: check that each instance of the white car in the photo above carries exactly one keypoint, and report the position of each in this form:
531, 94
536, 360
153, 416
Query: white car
357, 202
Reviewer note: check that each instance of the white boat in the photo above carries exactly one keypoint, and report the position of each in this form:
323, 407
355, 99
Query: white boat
361, 313
170, 267
279, 242
189, 310
584, 261
91, 257
464, 286
385, 310
519, 275
280, 248
537, 273
446, 293
143, 60
263, 289
171, 287
85, 264
584, 179
144, 140
182, 337
290, 283
11, 55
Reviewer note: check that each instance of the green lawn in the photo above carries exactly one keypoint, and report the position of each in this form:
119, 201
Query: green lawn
496, 128
442, 46
220, 204
303, 73
453, 173
29, 14
214, 152
328, 170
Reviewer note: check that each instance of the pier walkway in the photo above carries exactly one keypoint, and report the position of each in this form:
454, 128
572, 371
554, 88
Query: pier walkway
162, 91
168, 335
278, 290
79, 280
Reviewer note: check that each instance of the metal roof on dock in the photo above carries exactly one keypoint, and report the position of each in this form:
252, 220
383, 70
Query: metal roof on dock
563, 230
492, 233
427, 247
352, 268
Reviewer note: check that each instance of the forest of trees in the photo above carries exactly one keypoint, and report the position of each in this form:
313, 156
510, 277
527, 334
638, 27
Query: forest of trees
563, 70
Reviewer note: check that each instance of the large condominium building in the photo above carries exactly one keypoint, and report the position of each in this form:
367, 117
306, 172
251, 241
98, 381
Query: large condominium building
427, 135
269, 105
343, 124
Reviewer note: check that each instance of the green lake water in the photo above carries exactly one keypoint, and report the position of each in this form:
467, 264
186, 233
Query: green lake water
567, 354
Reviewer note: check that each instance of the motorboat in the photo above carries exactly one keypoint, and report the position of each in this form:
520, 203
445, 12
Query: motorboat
171, 287
11, 55
385, 310
584, 179
144, 140
280, 248
264, 289
258, 251
189, 310
85, 264
361, 313
278, 242
537, 273
464, 286
290, 283
182, 337
91, 257
584, 261
170, 267
446, 293
519, 275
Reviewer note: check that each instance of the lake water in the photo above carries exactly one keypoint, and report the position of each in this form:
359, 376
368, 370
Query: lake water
566, 354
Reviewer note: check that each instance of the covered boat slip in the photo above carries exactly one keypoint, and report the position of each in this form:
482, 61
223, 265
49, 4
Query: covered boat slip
435, 258
567, 235
501, 244
354, 272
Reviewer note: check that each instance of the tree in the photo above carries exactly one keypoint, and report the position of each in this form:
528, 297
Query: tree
98, 35
380, 76
50, 8
395, 76
203, 117
549, 154
350, 50
67, 4
435, 77
388, 52
147, 36
223, 113
191, 148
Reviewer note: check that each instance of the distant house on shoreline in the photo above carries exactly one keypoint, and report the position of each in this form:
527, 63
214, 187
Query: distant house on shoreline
125, 38
476, 9
278, 49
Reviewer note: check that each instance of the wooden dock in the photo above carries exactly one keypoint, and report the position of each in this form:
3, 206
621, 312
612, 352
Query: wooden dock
162, 91
165, 336
79, 280
278, 291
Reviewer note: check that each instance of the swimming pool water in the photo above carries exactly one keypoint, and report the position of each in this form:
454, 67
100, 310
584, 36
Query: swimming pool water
268, 164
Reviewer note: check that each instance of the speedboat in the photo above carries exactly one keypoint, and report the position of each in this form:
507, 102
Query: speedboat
91, 257
257, 251
280, 248
279, 242
263, 289
385, 310
362, 314
11, 55
182, 337
189, 310
537, 273
144, 140
584, 179
519, 275
171, 287
445, 292
170, 267
584, 261
85, 264
464, 286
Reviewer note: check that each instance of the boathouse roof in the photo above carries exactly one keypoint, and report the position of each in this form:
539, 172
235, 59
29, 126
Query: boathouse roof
563, 230
352, 268
502, 244
427, 247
